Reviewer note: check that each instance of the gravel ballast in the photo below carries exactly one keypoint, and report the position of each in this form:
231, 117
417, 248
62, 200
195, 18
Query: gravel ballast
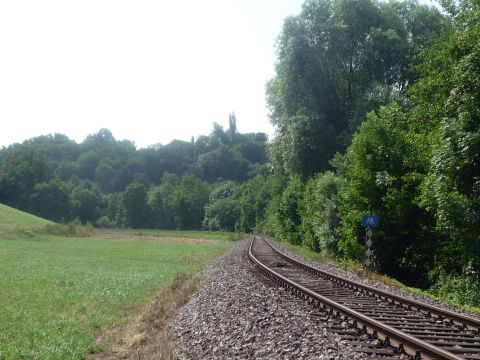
351, 275
237, 314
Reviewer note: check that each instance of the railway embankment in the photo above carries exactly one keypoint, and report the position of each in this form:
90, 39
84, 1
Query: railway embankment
239, 314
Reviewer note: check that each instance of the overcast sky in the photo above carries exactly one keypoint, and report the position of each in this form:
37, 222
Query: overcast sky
150, 71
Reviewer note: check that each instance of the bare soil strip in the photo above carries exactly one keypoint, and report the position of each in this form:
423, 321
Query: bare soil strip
154, 238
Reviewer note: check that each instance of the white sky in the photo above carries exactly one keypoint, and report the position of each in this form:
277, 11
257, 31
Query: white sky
150, 71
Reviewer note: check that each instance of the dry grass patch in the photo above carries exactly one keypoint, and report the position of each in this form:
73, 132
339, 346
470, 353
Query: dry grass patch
154, 238
146, 335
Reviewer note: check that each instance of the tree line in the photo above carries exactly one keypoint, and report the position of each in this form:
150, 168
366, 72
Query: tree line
111, 183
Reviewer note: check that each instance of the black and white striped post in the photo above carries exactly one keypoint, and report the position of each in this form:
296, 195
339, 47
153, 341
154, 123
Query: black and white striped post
368, 244
369, 222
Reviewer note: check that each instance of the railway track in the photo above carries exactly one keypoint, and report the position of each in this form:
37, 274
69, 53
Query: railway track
371, 320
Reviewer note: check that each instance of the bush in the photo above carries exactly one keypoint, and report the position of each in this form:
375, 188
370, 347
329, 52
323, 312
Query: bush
463, 289
223, 214
105, 223
308, 213
72, 229
320, 218
222, 211
287, 217
268, 191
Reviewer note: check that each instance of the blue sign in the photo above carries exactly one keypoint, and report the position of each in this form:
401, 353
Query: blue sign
370, 221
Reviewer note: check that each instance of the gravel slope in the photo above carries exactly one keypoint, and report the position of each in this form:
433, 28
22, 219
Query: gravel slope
235, 316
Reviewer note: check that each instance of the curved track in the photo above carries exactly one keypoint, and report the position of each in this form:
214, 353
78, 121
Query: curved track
379, 323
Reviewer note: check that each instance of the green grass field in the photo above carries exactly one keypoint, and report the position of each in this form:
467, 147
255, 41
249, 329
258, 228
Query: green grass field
57, 293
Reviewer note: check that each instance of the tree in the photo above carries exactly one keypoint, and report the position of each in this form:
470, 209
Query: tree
52, 200
447, 99
104, 138
134, 201
247, 200
320, 212
232, 127
104, 174
20, 170
336, 61
57, 147
218, 134
383, 177
160, 201
287, 213
87, 202
114, 215
222, 211
87, 163
256, 201
188, 202
223, 163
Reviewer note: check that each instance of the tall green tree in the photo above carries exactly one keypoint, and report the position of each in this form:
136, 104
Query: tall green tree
287, 212
222, 211
134, 201
52, 200
383, 176
188, 202
255, 198
160, 200
447, 105
320, 212
336, 61
223, 163
20, 170
87, 201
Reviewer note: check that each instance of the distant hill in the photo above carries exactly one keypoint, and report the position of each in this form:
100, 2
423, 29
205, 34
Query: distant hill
13, 220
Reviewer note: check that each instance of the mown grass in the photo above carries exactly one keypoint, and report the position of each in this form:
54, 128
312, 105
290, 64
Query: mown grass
358, 268
16, 221
57, 293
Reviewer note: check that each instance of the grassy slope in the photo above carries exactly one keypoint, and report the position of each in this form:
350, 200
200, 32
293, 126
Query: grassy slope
56, 293
15, 220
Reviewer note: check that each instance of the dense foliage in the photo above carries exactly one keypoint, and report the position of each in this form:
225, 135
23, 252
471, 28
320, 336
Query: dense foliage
393, 90
337, 61
111, 183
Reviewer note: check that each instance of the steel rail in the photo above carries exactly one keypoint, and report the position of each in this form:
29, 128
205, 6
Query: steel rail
459, 319
410, 344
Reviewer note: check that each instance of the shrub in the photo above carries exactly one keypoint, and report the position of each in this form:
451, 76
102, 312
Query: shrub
320, 218
72, 229
222, 211
287, 217
105, 223
463, 289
